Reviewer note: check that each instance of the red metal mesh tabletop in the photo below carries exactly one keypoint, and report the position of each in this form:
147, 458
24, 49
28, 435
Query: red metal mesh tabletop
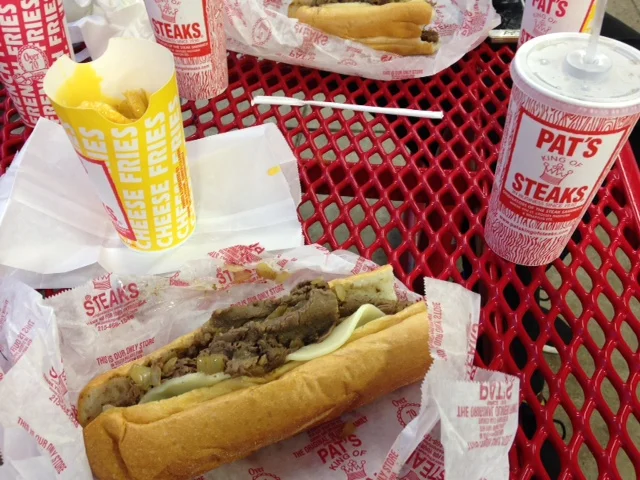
414, 193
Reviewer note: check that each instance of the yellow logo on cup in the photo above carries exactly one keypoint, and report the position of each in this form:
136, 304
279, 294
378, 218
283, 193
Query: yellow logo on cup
138, 166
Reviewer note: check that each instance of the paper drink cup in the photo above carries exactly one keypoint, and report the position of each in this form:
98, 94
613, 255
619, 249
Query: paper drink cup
566, 124
542, 17
139, 169
194, 32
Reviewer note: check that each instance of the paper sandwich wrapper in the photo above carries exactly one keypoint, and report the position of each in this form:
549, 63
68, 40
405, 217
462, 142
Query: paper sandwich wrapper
263, 28
459, 424
256, 202
139, 170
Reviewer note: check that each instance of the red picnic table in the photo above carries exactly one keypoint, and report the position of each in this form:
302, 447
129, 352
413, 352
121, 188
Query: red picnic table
414, 193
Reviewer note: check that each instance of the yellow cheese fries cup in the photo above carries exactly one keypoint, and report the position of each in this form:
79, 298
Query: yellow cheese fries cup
122, 114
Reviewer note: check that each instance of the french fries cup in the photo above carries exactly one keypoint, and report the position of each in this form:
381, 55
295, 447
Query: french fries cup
122, 114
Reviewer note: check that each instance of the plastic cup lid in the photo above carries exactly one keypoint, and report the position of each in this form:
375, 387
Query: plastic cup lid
554, 65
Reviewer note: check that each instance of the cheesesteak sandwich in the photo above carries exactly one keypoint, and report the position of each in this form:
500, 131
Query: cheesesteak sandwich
252, 376
396, 26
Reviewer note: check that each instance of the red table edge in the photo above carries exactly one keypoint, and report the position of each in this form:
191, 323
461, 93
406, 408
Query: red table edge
630, 173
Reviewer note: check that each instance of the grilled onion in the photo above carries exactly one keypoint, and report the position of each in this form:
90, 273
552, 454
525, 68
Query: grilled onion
210, 364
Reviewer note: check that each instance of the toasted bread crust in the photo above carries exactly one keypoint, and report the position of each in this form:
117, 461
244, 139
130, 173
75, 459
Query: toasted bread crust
181, 438
394, 27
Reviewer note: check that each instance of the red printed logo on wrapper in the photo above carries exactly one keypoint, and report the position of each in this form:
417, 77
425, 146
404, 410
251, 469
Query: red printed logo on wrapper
340, 452
333, 445
410, 476
275, 4
57, 382
57, 461
22, 342
496, 391
436, 331
349, 62
406, 411
472, 341
102, 283
474, 21
426, 462
113, 306
128, 354
363, 265
175, 281
310, 38
234, 10
261, 33
353, 53
260, 474
355, 470
4, 313
444, 29
240, 254
235, 275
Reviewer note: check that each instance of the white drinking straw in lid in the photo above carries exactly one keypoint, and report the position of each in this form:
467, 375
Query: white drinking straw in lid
596, 28
294, 102
588, 64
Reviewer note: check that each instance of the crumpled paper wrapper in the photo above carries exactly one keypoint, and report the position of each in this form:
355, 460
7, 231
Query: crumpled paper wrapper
55, 233
22, 457
262, 28
35, 406
94, 22
459, 423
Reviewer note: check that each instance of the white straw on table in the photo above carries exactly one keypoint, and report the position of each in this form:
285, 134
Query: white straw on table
294, 102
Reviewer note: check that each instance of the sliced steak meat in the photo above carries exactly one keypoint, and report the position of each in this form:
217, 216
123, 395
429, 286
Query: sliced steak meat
256, 360
309, 320
259, 347
253, 340
233, 317
430, 36
184, 366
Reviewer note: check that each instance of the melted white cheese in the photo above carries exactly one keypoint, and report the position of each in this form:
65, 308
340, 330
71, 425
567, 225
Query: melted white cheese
339, 336
178, 386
